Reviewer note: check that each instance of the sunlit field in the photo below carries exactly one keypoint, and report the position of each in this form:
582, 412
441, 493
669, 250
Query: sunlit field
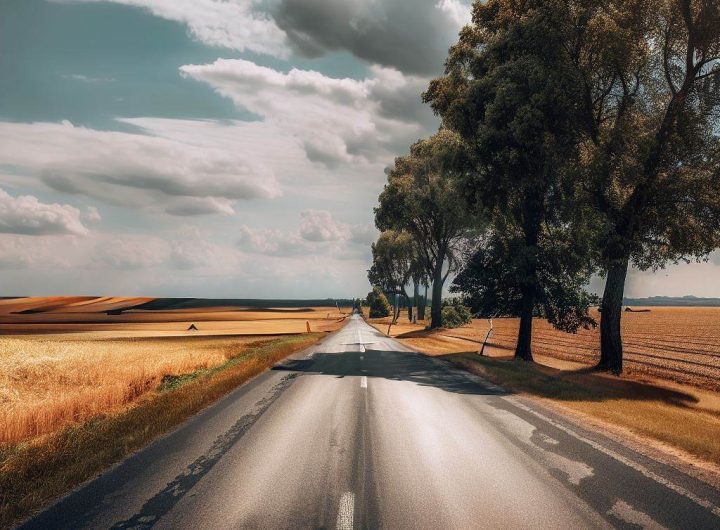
676, 343
45, 384
80, 361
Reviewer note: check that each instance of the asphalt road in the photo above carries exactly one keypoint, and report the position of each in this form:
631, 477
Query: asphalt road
359, 432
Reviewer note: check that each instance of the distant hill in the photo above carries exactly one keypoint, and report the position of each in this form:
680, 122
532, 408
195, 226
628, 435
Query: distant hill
689, 301
164, 304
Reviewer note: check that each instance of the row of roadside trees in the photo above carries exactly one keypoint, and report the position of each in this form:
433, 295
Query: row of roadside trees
578, 137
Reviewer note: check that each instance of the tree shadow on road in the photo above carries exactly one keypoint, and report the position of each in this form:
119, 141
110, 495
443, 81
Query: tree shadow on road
392, 365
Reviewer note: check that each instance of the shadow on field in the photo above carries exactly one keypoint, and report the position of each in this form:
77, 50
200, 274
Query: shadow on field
570, 385
392, 365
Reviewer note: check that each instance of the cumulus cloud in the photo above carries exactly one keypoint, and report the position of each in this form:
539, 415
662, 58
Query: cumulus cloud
459, 12
336, 121
235, 24
318, 234
273, 242
189, 176
410, 36
318, 225
91, 215
27, 215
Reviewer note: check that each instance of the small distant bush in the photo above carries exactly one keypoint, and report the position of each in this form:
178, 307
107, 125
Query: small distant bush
455, 314
378, 304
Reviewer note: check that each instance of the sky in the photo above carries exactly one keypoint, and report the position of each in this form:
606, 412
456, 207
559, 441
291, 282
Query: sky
216, 148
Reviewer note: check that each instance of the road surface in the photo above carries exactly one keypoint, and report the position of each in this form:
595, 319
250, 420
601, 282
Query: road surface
359, 432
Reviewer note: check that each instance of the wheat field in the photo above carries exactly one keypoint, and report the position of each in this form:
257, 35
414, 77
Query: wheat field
46, 384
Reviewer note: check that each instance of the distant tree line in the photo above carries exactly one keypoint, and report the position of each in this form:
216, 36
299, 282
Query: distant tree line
578, 137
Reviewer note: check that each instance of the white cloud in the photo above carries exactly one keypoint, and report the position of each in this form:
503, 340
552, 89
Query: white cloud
336, 121
318, 234
234, 24
457, 11
27, 215
188, 176
91, 215
88, 79
318, 225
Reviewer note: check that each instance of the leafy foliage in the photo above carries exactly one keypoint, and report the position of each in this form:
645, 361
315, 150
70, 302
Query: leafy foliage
455, 314
490, 288
509, 92
394, 260
378, 304
424, 197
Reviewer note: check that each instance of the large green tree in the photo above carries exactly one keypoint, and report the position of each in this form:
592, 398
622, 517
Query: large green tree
650, 77
489, 287
424, 197
511, 94
394, 262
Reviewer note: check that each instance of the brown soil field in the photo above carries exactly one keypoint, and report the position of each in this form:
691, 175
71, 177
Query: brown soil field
680, 344
111, 317
64, 360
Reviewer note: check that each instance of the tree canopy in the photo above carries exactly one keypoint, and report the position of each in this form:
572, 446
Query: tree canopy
509, 91
424, 197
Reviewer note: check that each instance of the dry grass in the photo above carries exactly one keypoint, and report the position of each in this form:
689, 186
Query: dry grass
676, 417
47, 384
679, 344
33, 473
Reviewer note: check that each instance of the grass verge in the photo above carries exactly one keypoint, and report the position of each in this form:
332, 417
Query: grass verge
669, 416
34, 473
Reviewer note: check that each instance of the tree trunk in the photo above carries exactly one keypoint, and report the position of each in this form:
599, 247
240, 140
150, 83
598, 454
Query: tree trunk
532, 217
422, 307
414, 302
611, 351
436, 305
523, 349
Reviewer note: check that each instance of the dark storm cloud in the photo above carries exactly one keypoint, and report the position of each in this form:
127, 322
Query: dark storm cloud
412, 36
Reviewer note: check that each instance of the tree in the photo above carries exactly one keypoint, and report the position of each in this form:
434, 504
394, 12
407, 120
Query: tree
378, 304
509, 91
393, 263
423, 196
650, 107
455, 314
490, 289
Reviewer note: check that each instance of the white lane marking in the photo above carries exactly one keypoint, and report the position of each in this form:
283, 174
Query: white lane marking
362, 358
363, 382
612, 454
346, 511
628, 514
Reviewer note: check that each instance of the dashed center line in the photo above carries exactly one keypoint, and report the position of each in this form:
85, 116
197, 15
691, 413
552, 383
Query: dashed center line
346, 511
363, 382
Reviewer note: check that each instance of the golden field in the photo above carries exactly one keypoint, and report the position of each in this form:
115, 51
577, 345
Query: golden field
34, 472
64, 360
680, 344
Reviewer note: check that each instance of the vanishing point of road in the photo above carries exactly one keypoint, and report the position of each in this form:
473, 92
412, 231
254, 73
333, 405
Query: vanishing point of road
360, 432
